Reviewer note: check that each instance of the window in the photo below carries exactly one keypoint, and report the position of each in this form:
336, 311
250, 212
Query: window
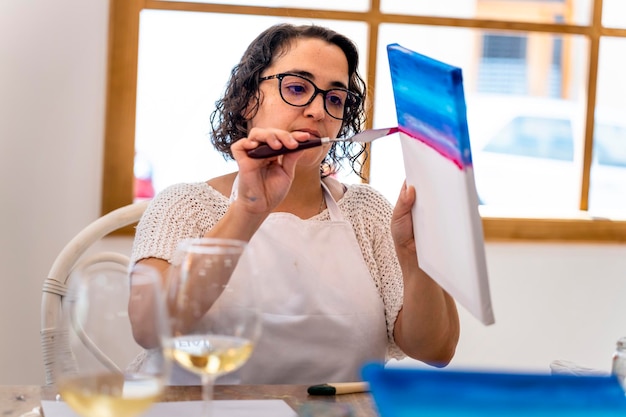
179, 79
509, 50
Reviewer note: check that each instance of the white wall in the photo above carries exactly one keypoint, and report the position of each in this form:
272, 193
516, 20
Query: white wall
52, 100
551, 301
565, 302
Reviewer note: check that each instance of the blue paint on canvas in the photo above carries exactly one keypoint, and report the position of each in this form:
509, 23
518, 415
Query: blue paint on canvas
453, 393
430, 103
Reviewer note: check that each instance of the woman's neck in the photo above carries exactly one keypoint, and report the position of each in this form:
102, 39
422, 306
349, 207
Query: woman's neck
305, 198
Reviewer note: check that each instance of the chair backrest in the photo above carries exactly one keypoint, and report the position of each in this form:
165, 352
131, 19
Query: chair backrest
71, 257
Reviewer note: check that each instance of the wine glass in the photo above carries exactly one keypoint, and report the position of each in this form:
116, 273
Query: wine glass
212, 305
97, 345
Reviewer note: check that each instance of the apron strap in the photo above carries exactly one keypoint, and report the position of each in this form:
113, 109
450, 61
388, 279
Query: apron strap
233, 191
331, 205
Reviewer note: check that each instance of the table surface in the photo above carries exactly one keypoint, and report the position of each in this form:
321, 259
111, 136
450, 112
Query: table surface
18, 399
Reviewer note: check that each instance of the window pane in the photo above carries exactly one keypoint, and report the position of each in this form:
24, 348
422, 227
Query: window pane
182, 72
607, 193
540, 11
525, 131
451, 8
613, 12
346, 5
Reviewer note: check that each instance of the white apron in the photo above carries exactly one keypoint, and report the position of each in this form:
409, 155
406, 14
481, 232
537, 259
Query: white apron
323, 317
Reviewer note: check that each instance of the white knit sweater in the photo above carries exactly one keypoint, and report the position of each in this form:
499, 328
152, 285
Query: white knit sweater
190, 210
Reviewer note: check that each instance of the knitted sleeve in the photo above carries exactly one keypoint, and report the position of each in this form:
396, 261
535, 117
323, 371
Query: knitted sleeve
179, 212
370, 214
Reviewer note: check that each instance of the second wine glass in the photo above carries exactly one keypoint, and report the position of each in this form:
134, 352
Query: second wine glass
212, 305
96, 347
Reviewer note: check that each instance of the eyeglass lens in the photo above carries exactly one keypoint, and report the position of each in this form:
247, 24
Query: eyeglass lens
299, 91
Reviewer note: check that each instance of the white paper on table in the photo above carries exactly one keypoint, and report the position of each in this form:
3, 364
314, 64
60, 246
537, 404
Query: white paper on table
221, 408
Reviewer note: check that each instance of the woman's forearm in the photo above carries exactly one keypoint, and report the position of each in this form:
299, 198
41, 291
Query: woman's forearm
427, 327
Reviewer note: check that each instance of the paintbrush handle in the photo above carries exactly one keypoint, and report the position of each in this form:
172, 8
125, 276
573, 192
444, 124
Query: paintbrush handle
338, 388
264, 151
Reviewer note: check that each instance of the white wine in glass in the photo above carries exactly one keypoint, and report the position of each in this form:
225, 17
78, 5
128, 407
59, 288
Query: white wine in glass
92, 359
212, 305
211, 354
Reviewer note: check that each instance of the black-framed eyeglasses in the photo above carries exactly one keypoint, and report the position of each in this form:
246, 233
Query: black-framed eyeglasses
299, 91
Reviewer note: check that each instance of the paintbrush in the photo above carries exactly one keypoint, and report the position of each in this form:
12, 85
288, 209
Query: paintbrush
338, 388
264, 151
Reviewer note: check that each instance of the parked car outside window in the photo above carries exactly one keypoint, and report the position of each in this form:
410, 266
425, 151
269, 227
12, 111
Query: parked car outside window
527, 154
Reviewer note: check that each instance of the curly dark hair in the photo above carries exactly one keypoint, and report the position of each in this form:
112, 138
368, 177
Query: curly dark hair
228, 122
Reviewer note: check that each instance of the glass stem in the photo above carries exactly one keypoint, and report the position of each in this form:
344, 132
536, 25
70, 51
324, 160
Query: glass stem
207, 394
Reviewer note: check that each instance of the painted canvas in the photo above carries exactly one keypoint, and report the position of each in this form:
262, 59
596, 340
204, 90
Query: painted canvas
431, 112
446, 393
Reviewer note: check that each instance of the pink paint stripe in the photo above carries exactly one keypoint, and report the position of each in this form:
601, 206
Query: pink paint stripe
443, 151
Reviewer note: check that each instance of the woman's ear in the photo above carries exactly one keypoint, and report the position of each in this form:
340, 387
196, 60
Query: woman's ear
253, 106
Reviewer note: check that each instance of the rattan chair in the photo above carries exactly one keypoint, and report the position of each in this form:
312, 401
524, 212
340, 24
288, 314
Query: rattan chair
72, 256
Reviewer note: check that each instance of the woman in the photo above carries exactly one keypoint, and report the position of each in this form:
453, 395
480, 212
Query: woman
363, 296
